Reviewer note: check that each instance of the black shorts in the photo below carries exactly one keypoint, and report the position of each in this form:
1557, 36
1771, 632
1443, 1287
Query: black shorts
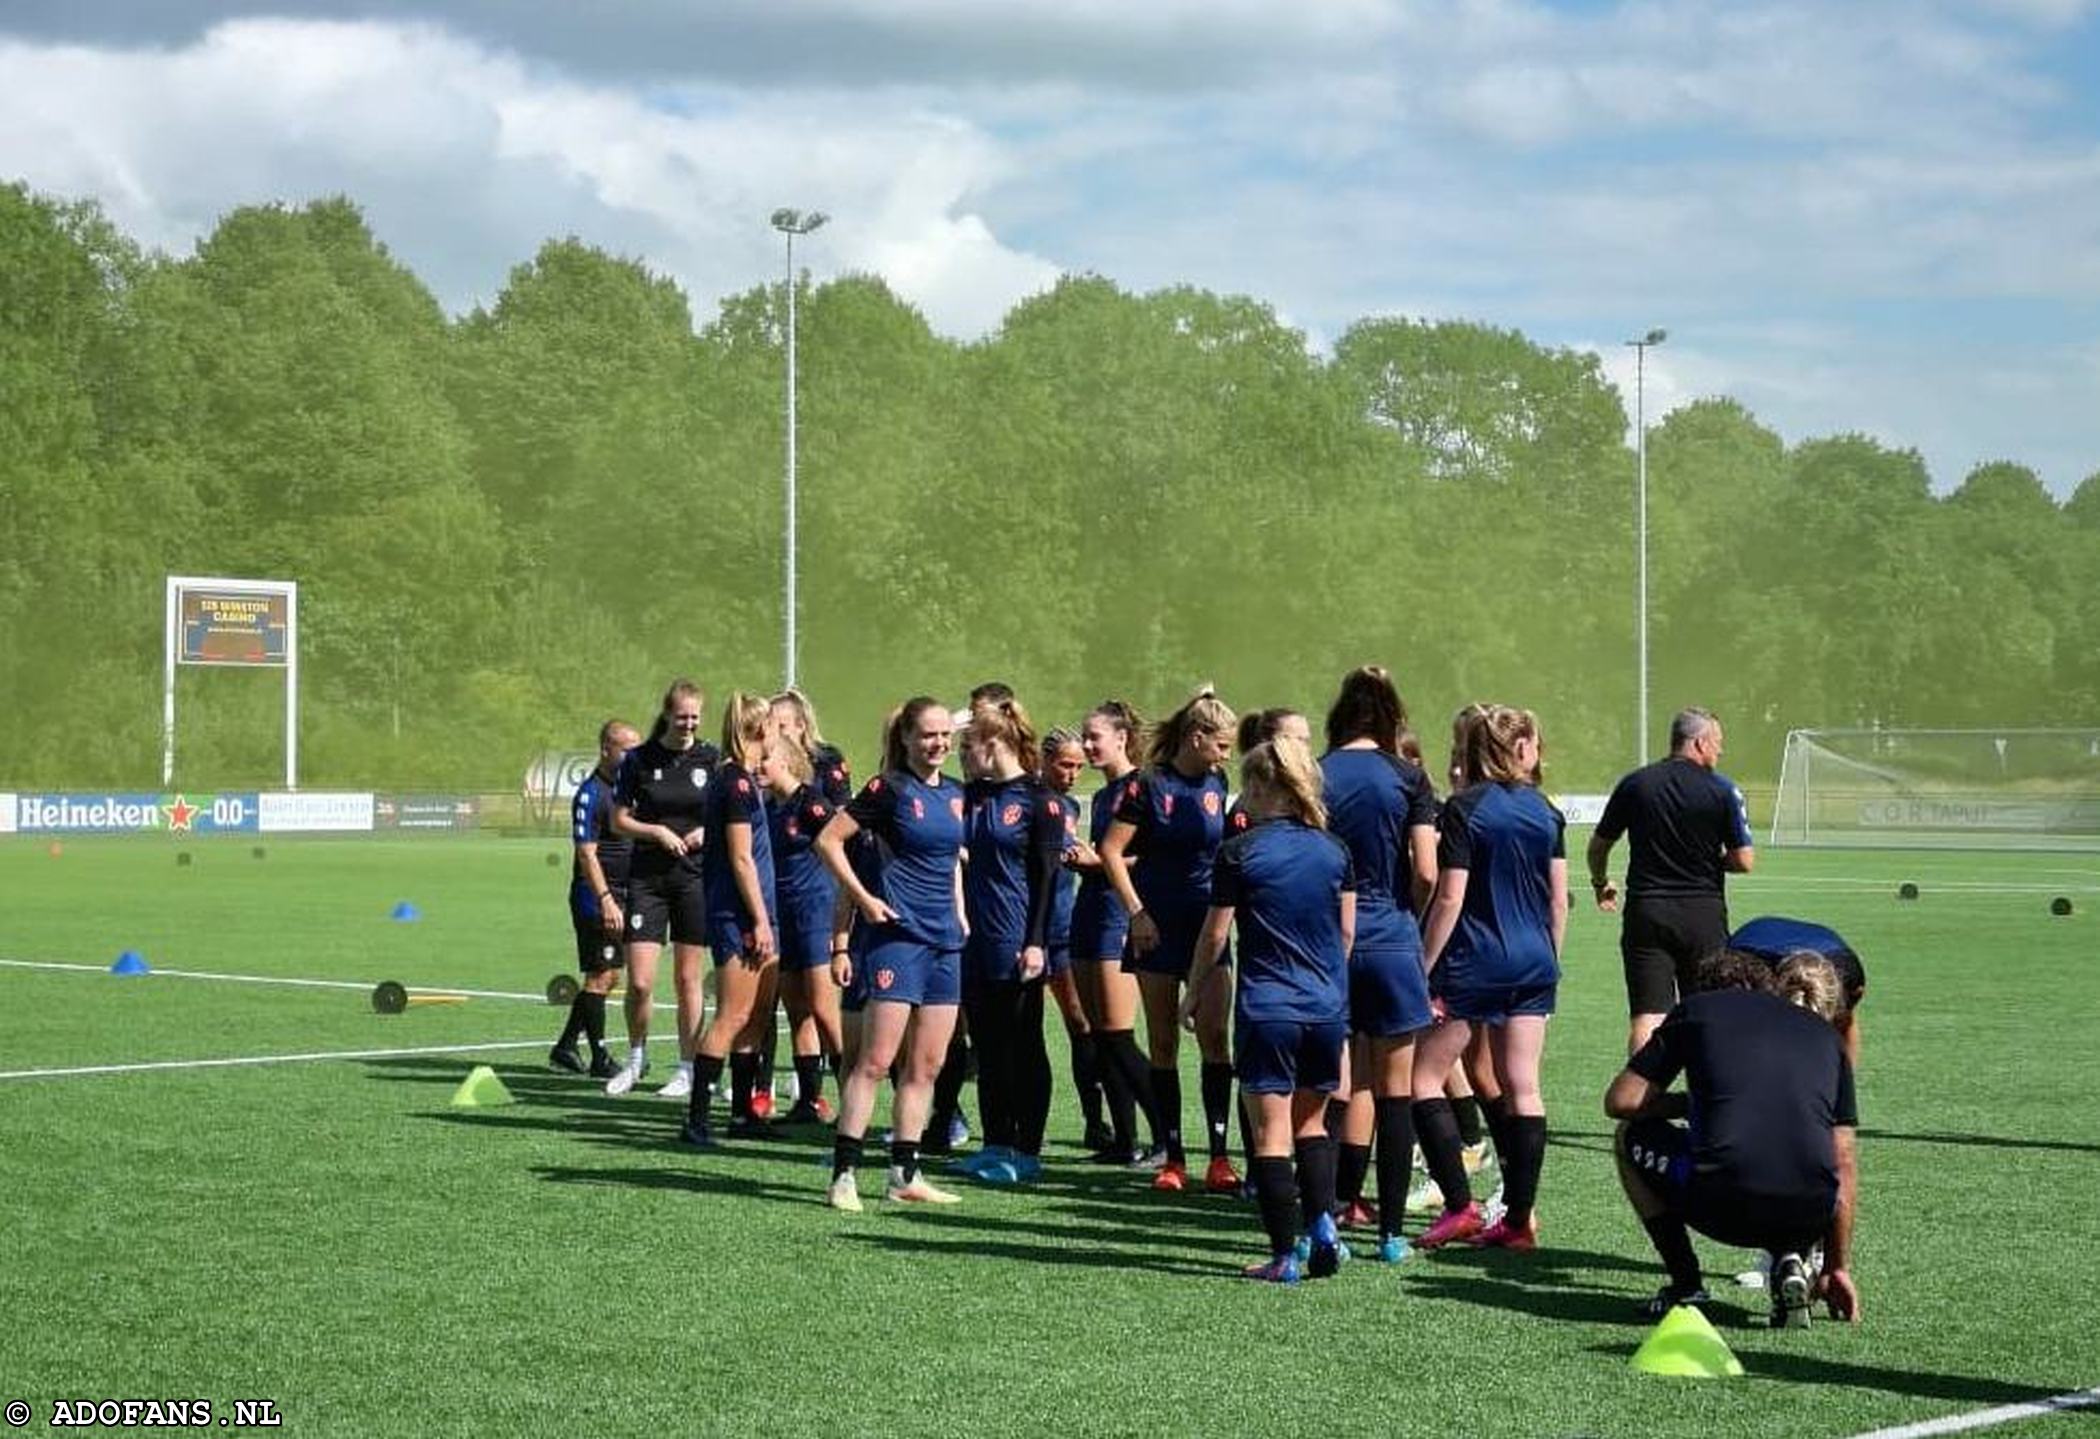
596, 951
670, 905
1662, 942
1659, 1152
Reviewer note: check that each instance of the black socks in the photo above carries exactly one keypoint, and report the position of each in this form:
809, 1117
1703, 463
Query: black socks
1217, 1106
1674, 1243
1396, 1142
1276, 1192
1166, 1097
1521, 1163
706, 1071
1436, 1130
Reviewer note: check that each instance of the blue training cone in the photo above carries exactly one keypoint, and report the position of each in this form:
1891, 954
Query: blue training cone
131, 962
406, 912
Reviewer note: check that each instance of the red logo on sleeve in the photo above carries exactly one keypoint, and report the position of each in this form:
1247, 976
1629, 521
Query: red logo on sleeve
743, 786
816, 811
1166, 806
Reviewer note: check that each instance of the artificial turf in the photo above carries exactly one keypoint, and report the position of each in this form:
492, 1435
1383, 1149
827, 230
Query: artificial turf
334, 1237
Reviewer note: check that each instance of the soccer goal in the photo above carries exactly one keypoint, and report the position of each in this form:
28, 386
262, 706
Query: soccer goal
1946, 789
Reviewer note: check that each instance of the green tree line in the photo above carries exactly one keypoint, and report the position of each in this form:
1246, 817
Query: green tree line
509, 525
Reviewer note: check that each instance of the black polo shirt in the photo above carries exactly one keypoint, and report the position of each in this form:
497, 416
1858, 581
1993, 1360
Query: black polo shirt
1682, 818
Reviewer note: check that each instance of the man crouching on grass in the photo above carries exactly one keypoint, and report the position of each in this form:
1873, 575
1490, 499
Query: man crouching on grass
1766, 1159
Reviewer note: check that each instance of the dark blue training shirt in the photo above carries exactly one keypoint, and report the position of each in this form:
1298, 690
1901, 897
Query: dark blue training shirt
1099, 924
1284, 881
919, 827
735, 798
1016, 838
833, 779
1180, 823
664, 786
590, 822
1772, 938
804, 887
1505, 836
1373, 800
1064, 894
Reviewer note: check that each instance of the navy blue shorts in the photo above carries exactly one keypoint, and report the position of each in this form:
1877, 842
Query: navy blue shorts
1099, 925
854, 998
1176, 950
727, 938
1660, 1153
1278, 1056
904, 970
1388, 993
805, 940
1495, 1003
1057, 959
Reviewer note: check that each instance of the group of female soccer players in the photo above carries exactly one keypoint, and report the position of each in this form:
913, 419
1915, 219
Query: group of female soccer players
1369, 965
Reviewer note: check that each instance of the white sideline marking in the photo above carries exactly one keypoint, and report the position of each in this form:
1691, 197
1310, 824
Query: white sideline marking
1752, 881
1989, 1418
274, 979
265, 1059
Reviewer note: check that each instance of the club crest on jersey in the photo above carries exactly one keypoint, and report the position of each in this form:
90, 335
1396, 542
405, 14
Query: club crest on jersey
699, 778
918, 807
884, 978
816, 811
955, 808
1166, 805
743, 786
1010, 816
1210, 801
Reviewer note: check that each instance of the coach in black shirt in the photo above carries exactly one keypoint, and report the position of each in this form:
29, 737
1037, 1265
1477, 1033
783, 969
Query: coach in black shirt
1688, 828
1766, 1160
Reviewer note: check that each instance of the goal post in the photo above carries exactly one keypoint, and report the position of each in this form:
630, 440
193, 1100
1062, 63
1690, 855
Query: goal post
1940, 789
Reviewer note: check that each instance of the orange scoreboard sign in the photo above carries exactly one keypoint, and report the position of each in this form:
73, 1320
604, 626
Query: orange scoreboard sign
223, 626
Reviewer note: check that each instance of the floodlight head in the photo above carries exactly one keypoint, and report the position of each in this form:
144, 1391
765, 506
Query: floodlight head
1655, 337
797, 222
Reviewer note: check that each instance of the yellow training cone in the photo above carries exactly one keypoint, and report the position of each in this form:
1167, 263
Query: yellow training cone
481, 1089
1686, 1346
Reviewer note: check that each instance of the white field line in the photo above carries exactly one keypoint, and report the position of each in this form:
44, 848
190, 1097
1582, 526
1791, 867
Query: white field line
252, 1059
1752, 881
1989, 1418
274, 979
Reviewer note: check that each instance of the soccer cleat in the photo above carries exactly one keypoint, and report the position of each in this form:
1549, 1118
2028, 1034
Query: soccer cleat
564, 1056
762, 1104
1173, 1177
628, 1074
1120, 1158
1759, 1274
1001, 1173
1219, 1177
958, 1131
680, 1084
1149, 1159
1326, 1249
1670, 1297
1494, 1209
985, 1158
603, 1066
1790, 1292
1283, 1269
1425, 1196
1393, 1249
844, 1193
1501, 1234
803, 1112
1452, 1226
1357, 1215
696, 1136
746, 1126
920, 1190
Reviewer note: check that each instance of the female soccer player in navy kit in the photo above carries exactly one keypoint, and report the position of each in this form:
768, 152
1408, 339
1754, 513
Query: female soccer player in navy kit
660, 802
1380, 805
806, 895
1100, 930
737, 873
597, 913
1064, 756
912, 964
1015, 838
1290, 887
1492, 944
1170, 819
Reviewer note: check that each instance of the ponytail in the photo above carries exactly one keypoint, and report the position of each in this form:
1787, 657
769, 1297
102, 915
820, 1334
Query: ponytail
745, 719
1004, 721
1281, 776
1204, 713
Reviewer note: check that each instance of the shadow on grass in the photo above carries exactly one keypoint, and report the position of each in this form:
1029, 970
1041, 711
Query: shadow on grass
1912, 1383
1055, 1252
688, 1181
1981, 1141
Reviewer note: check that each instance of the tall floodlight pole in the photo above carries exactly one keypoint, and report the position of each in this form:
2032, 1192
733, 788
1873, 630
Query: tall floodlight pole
792, 223
1640, 529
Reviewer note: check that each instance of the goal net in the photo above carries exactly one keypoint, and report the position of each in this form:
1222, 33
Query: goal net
1950, 789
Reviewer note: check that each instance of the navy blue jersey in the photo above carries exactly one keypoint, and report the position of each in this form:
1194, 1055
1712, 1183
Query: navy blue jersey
919, 830
1506, 837
1284, 881
1099, 923
664, 786
1682, 819
803, 885
1772, 938
590, 822
833, 778
1180, 823
735, 799
1016, 839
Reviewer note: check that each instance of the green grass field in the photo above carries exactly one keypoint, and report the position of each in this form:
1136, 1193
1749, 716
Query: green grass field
332, 1236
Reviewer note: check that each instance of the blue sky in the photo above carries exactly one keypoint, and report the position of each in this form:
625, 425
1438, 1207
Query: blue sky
1881, 215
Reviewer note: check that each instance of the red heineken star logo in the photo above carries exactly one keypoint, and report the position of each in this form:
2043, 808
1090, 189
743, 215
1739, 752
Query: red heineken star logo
181, 813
